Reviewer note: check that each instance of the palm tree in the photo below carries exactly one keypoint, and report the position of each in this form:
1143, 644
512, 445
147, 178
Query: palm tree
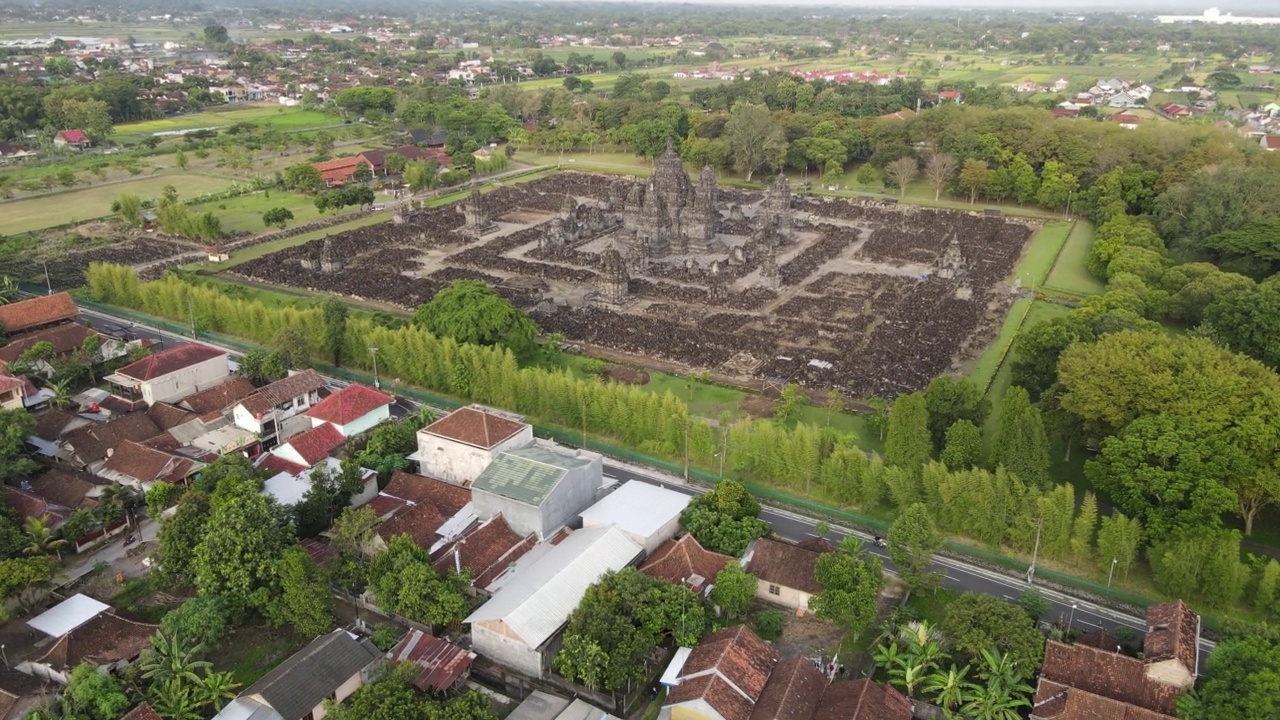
113, 501
169, 658
424, 416
61, 393
998, 669
948, 688
172, 700
43, 540
216, 689
8, 288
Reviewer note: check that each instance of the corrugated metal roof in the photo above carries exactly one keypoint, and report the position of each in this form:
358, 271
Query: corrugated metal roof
539, 597
68, 615
638, 508
527, 475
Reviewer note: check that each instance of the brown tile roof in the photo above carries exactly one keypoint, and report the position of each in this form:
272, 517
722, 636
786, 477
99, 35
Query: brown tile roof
51, 425
862, 700
785, 564
419, 522
37, 312
487, 550
14, 686
92, 441
63, 338
734, 659
296, 385
166, 416
1104, 673
219, 397
276, 465
475, 427
792, 692
142, 712
1172, 634
420, 489
349, 404
315, 444
677, 560
1059, 702
66, 488
171, 360
106, 639
146, 464
10, 382
29, 505
257, 405
384, 506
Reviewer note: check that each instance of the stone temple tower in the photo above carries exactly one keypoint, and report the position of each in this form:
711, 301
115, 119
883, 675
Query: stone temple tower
701, 219
477, 220
615, 281
776, 207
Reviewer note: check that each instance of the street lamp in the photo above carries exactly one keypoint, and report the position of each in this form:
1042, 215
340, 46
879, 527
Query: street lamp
1113, 571
6, 658
1072, 621
1035, 553
373, 350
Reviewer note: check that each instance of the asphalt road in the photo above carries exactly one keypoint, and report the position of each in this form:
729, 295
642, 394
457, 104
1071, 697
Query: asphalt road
957, 575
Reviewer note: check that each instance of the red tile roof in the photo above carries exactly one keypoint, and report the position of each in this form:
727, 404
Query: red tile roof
64, 339
420, 489
785, 564
349, 404
1104, 673
862, 700
475, 427
91, 442
315, 444
12, 382
1055, 701
29, 505
1125, 118
73, 136
276, 465
145, 464
219, 397
37, 312
441, 664
733, 655
168, 361
384, 506
142, 712
1173, 631
677, 560
104, 640
65, 487
295, 386
1271, 142
487, 550
792, 692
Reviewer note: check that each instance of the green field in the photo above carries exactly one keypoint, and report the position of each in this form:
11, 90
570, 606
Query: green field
1069, 275
261, 114
20, 216
1042, 251
254, 252
245, 212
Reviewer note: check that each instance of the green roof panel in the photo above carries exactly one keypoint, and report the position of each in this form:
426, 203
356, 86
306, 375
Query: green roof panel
527, 475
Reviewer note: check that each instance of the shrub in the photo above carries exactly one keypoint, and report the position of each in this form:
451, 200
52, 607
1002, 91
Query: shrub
769, 624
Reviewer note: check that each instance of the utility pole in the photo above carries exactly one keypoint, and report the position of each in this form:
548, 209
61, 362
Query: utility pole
686, 450
373, 350
724, 450
191, 313
48, 284
1067, 214
1113, 571
1031, 571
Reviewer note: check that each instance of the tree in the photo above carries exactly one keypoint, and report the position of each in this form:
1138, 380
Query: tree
1203, 564
1022, 179
404, 582
1170, 473
18, 575
1241, 680
978, 623
334, 315
913, 541
363, 173
91, 116
1057, 186
180, 159
201, 620
1020, 444
41, 539
962, 448
719, 531
180, 534
1033, 603
789, 403
939, 168
755, 141
1119, 539
171, 657
1118, 233
733, 589
1248, 321
322, 143
15, 427
973, 178
303, 178
1268, 586
471, 312
908, 443
901, 172
239, 560
948, 399
1084, 528
277, 217
93, 695
304, 600
851, 585
215, 690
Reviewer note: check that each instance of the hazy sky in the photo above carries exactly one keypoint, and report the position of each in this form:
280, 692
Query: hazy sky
1188, 7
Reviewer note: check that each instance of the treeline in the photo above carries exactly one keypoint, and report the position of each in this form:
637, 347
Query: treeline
94, 107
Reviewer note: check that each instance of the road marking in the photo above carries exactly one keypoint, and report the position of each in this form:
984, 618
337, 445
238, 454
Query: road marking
952, 579
1010, 597
1086, 622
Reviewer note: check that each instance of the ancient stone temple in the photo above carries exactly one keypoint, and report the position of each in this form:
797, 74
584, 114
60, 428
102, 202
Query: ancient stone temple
653, 213
951, 262
477, 220
776, 207
701, 219
329, 263
615, 281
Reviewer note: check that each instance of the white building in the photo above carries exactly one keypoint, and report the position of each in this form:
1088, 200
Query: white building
459, 446
538, 489
275, 411
648, 514
173, 374
352, 410
516, 627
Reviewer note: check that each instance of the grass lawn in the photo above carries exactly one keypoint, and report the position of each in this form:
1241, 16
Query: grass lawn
256, 251
1042, 251
260, 114
253, 651
245, 212
931, 606
993, 359
1069, 275
95, 202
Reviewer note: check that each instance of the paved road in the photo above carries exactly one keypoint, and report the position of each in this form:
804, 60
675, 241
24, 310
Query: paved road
958, 575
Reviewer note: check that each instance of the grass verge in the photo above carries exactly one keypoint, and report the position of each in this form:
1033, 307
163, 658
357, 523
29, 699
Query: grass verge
1069, 275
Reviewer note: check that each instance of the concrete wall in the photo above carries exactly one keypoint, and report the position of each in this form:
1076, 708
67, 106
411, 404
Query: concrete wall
187, 381
288, 453
575, 493
522, 518
369, 493
786, 597
693, 710
650, 543
360, 424
459, 463
489, 639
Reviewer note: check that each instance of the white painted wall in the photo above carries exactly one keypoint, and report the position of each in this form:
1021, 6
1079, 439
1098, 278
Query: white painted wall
187, 381
458, 463
786, 597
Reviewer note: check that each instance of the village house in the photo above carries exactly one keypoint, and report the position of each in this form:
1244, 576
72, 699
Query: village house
720, 679
87, 447
72, 139
37, 313
685, 561
340, 171
331, 667
171, 375
352, 410
85, 631
520, 625
1270, 143
785, 572
648, 514
431, 512
13, 392
289, 486
487, 550
141, 467
275, 411
442, 666
1092, 678
459, 446
307, 449
538, 489
212, 403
